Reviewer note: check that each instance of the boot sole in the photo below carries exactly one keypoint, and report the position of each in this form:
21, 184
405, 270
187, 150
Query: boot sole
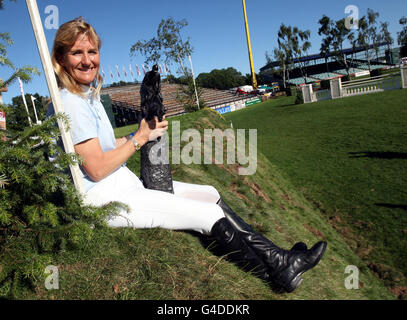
295, 283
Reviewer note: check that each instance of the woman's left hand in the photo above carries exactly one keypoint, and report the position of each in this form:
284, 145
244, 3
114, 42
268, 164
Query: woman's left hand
150, 130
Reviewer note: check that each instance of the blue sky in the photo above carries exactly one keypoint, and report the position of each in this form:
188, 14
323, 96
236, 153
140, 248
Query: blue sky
216, 29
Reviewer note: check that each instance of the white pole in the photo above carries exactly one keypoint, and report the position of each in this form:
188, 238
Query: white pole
53, 87
24, 101
35, 111
193, 78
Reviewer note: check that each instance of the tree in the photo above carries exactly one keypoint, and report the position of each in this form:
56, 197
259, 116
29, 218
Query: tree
284, 52
363, 37
17, 118
373, 34
336, 34
249, 79
368, 35
280, 56
168, 45
24, 73
300, 46
186, 95
222, 79
292, 44
2, 3
325, 29
41, 213
386, 37
402, 35
340, 34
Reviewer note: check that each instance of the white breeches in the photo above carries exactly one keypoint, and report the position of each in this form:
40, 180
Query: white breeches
191, 207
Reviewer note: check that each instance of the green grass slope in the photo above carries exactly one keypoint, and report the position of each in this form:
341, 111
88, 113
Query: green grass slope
348, 157
164, 264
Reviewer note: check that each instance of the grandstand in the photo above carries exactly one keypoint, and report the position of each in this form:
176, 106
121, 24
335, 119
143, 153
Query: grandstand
317, 68
126, 101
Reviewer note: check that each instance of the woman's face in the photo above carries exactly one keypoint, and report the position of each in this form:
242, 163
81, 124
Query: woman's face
82, 60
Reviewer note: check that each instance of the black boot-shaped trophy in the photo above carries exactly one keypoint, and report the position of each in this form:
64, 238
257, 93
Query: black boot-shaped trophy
155, 174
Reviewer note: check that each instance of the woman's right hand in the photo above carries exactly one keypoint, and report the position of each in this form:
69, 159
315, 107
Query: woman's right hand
150, 130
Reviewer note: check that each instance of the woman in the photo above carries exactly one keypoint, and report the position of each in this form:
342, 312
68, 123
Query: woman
106, 178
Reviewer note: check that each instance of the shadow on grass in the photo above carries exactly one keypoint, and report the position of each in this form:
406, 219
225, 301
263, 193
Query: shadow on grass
285, 105
392, 206
378, 155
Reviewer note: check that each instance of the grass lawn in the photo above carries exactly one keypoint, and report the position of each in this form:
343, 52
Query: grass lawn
163, 264
349, 158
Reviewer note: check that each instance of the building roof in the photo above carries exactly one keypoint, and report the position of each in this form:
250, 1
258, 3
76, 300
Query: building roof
318, 56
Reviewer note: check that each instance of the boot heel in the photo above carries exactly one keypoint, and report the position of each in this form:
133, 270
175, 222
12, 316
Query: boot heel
294, 284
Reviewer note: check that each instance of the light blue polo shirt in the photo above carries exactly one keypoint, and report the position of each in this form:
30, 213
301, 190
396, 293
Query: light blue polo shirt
87, 119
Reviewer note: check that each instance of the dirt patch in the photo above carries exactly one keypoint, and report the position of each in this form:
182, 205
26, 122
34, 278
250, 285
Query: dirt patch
399, 292
365, 252
191, 172
233, 188
255, 189
335, 219
286, 197
207, 123
279, 228
231, 168
389, 275
314, 231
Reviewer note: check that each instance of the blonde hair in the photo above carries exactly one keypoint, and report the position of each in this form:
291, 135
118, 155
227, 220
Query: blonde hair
65, 38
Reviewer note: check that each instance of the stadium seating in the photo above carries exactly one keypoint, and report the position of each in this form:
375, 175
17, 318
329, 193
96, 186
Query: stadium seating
126, 100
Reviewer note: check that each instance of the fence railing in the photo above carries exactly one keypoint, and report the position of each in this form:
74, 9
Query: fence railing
339, 89
374, 84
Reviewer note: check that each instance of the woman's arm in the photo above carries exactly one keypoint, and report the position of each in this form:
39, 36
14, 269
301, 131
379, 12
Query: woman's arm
99, 164
121, 141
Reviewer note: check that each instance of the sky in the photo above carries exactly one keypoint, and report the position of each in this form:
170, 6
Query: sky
215, 27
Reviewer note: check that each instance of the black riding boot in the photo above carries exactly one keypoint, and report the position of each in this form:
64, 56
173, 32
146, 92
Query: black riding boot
239, 224
286, 267
237, 250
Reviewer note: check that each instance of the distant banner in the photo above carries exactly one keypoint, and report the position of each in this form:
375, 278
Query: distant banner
251, 102
223, 110
239, 105
2, 120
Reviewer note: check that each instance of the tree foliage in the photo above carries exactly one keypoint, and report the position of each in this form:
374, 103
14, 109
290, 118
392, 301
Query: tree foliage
292, 44
17, 118
41, 213
221, 79
24, 73
2, 3
168, 45
402, 35
337, 34
187, 97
